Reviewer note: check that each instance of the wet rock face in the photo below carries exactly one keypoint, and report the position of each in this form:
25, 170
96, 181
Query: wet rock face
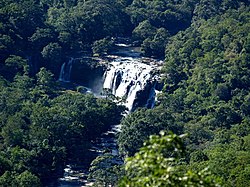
145, 97
83, 71
90, 76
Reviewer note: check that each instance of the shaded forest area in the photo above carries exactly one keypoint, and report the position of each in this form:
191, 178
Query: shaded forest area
206, 45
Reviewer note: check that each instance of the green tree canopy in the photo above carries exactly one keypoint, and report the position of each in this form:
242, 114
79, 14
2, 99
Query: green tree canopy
154, 165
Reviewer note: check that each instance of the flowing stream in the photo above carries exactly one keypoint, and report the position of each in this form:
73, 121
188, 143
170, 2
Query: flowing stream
128, 76
65, 72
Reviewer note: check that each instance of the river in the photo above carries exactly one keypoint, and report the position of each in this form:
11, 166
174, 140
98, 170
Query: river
129, 76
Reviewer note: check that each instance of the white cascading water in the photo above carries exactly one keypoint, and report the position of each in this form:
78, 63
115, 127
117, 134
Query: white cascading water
66, 71
126, 77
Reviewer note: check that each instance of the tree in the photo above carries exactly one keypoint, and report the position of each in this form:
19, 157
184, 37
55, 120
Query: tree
155, 165
45, 84
14, 131
5, 164
52, 54
27, 179
105, 170
8, 180
6, 44
143, 31
156, 45
15, 64
42, 37
102, 47
139, 125
172, 15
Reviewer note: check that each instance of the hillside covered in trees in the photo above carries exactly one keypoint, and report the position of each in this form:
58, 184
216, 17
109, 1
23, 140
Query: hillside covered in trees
205, 45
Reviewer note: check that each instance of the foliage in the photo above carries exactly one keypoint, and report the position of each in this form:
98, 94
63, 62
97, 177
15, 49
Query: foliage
172, 15
106, 170
41, 128
143, 31
138, 126
45, 33
26, 179
103, 46
206, 86
206, 94
154, 165
156, 45
207, 9
52, 55
155, 20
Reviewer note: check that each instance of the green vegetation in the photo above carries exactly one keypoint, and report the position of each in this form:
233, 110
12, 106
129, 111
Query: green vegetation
205, 95
156, 164
105, 171
42, 127
206, 45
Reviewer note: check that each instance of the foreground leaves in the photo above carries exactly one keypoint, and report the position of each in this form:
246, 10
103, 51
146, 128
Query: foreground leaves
155, 165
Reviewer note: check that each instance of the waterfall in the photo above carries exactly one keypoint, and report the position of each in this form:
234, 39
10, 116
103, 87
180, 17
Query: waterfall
126, 77
66, 71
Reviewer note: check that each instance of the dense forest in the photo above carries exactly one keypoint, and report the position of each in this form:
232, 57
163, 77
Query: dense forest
198, 134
